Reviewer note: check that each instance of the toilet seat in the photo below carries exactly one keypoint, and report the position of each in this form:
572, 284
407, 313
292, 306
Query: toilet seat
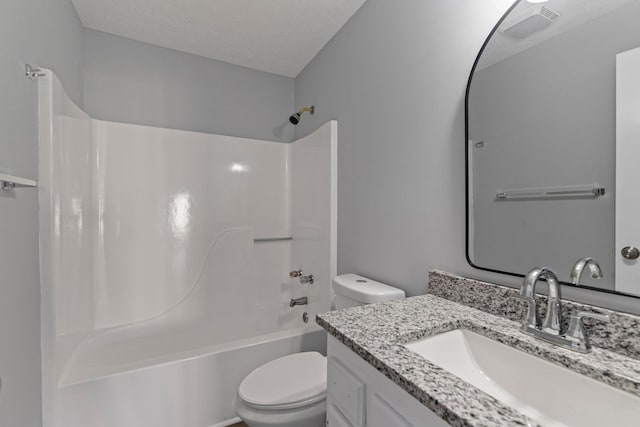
289, 382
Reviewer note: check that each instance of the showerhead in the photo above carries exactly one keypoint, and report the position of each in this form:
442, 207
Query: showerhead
295, 118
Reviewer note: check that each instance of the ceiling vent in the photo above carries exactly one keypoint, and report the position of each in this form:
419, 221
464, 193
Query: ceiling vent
528, 22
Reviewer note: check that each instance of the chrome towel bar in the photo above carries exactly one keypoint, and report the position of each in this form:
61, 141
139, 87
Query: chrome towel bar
593, 191
9, 182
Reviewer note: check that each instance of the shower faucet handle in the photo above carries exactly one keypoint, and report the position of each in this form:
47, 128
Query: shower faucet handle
304, 280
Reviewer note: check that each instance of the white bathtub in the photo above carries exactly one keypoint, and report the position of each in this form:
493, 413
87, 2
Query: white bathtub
193, 392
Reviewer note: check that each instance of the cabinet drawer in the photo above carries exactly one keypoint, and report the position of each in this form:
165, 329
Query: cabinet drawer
346, 391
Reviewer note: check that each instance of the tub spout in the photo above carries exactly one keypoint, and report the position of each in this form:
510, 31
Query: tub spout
298, 301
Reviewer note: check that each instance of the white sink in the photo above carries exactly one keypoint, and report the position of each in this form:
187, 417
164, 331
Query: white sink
547, 393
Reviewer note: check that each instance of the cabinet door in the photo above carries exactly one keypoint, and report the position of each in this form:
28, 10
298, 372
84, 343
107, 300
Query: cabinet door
335, 417
381, 414
385, 404
346, 391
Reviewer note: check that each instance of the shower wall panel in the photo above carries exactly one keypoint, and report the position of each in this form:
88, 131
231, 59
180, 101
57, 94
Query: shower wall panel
314, 212
166, 198
163, 246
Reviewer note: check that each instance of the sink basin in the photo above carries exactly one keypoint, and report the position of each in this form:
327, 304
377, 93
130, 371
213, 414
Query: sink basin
547, 393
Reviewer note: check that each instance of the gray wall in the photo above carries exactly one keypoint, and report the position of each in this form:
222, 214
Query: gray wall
394, 77
133, 82
45, 33
547, 118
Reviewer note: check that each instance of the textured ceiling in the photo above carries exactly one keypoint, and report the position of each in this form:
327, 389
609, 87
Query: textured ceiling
277, 36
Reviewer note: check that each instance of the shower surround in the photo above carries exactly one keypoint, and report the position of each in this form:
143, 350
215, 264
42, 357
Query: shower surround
163, 279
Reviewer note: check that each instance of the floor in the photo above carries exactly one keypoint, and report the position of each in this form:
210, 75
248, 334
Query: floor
239, 425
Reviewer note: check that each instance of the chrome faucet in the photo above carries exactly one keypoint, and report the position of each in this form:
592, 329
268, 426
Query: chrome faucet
298, 301
553, 319
579, 266
552, 330
304, 280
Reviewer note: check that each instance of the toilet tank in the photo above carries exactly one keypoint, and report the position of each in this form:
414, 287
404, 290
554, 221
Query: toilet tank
353, 290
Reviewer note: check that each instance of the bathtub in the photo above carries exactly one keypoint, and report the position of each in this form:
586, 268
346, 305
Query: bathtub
194, 391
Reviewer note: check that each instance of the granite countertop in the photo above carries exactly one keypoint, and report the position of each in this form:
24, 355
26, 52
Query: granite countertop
376, 333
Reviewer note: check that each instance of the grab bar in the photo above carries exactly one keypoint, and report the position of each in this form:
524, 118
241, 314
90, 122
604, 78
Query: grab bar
271, 239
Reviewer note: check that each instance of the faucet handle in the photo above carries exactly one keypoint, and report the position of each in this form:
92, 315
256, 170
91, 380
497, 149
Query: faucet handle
576, 319
590, 315
576, 330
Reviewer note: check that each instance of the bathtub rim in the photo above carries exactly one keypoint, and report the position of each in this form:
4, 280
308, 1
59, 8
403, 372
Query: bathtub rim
196, 353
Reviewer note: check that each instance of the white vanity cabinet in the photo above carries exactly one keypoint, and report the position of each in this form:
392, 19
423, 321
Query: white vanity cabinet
358, 395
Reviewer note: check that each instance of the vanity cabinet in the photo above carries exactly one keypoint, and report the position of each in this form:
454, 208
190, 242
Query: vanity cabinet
358, 395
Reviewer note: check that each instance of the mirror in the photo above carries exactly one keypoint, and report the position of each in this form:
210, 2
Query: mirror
553, 98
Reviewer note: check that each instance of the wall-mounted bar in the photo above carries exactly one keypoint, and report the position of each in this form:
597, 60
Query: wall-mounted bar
33, 73
272, 239
10, 182
575, 192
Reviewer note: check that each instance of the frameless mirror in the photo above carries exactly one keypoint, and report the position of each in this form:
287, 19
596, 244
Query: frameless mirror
553, 142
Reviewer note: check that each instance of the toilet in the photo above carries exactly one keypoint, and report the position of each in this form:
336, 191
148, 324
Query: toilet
291, 391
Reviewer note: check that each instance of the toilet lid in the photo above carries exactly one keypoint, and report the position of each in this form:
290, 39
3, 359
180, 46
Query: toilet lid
296, 379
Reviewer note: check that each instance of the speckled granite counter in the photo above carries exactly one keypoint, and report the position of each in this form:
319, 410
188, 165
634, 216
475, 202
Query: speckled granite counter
376, 333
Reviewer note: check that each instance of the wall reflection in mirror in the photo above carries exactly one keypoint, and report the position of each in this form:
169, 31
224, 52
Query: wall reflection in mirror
553, 142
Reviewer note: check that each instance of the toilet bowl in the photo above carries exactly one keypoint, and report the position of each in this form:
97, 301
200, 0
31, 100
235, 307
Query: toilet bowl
310, 416
291, 391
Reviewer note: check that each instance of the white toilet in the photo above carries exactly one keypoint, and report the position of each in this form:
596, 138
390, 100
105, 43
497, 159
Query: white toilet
291, 391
